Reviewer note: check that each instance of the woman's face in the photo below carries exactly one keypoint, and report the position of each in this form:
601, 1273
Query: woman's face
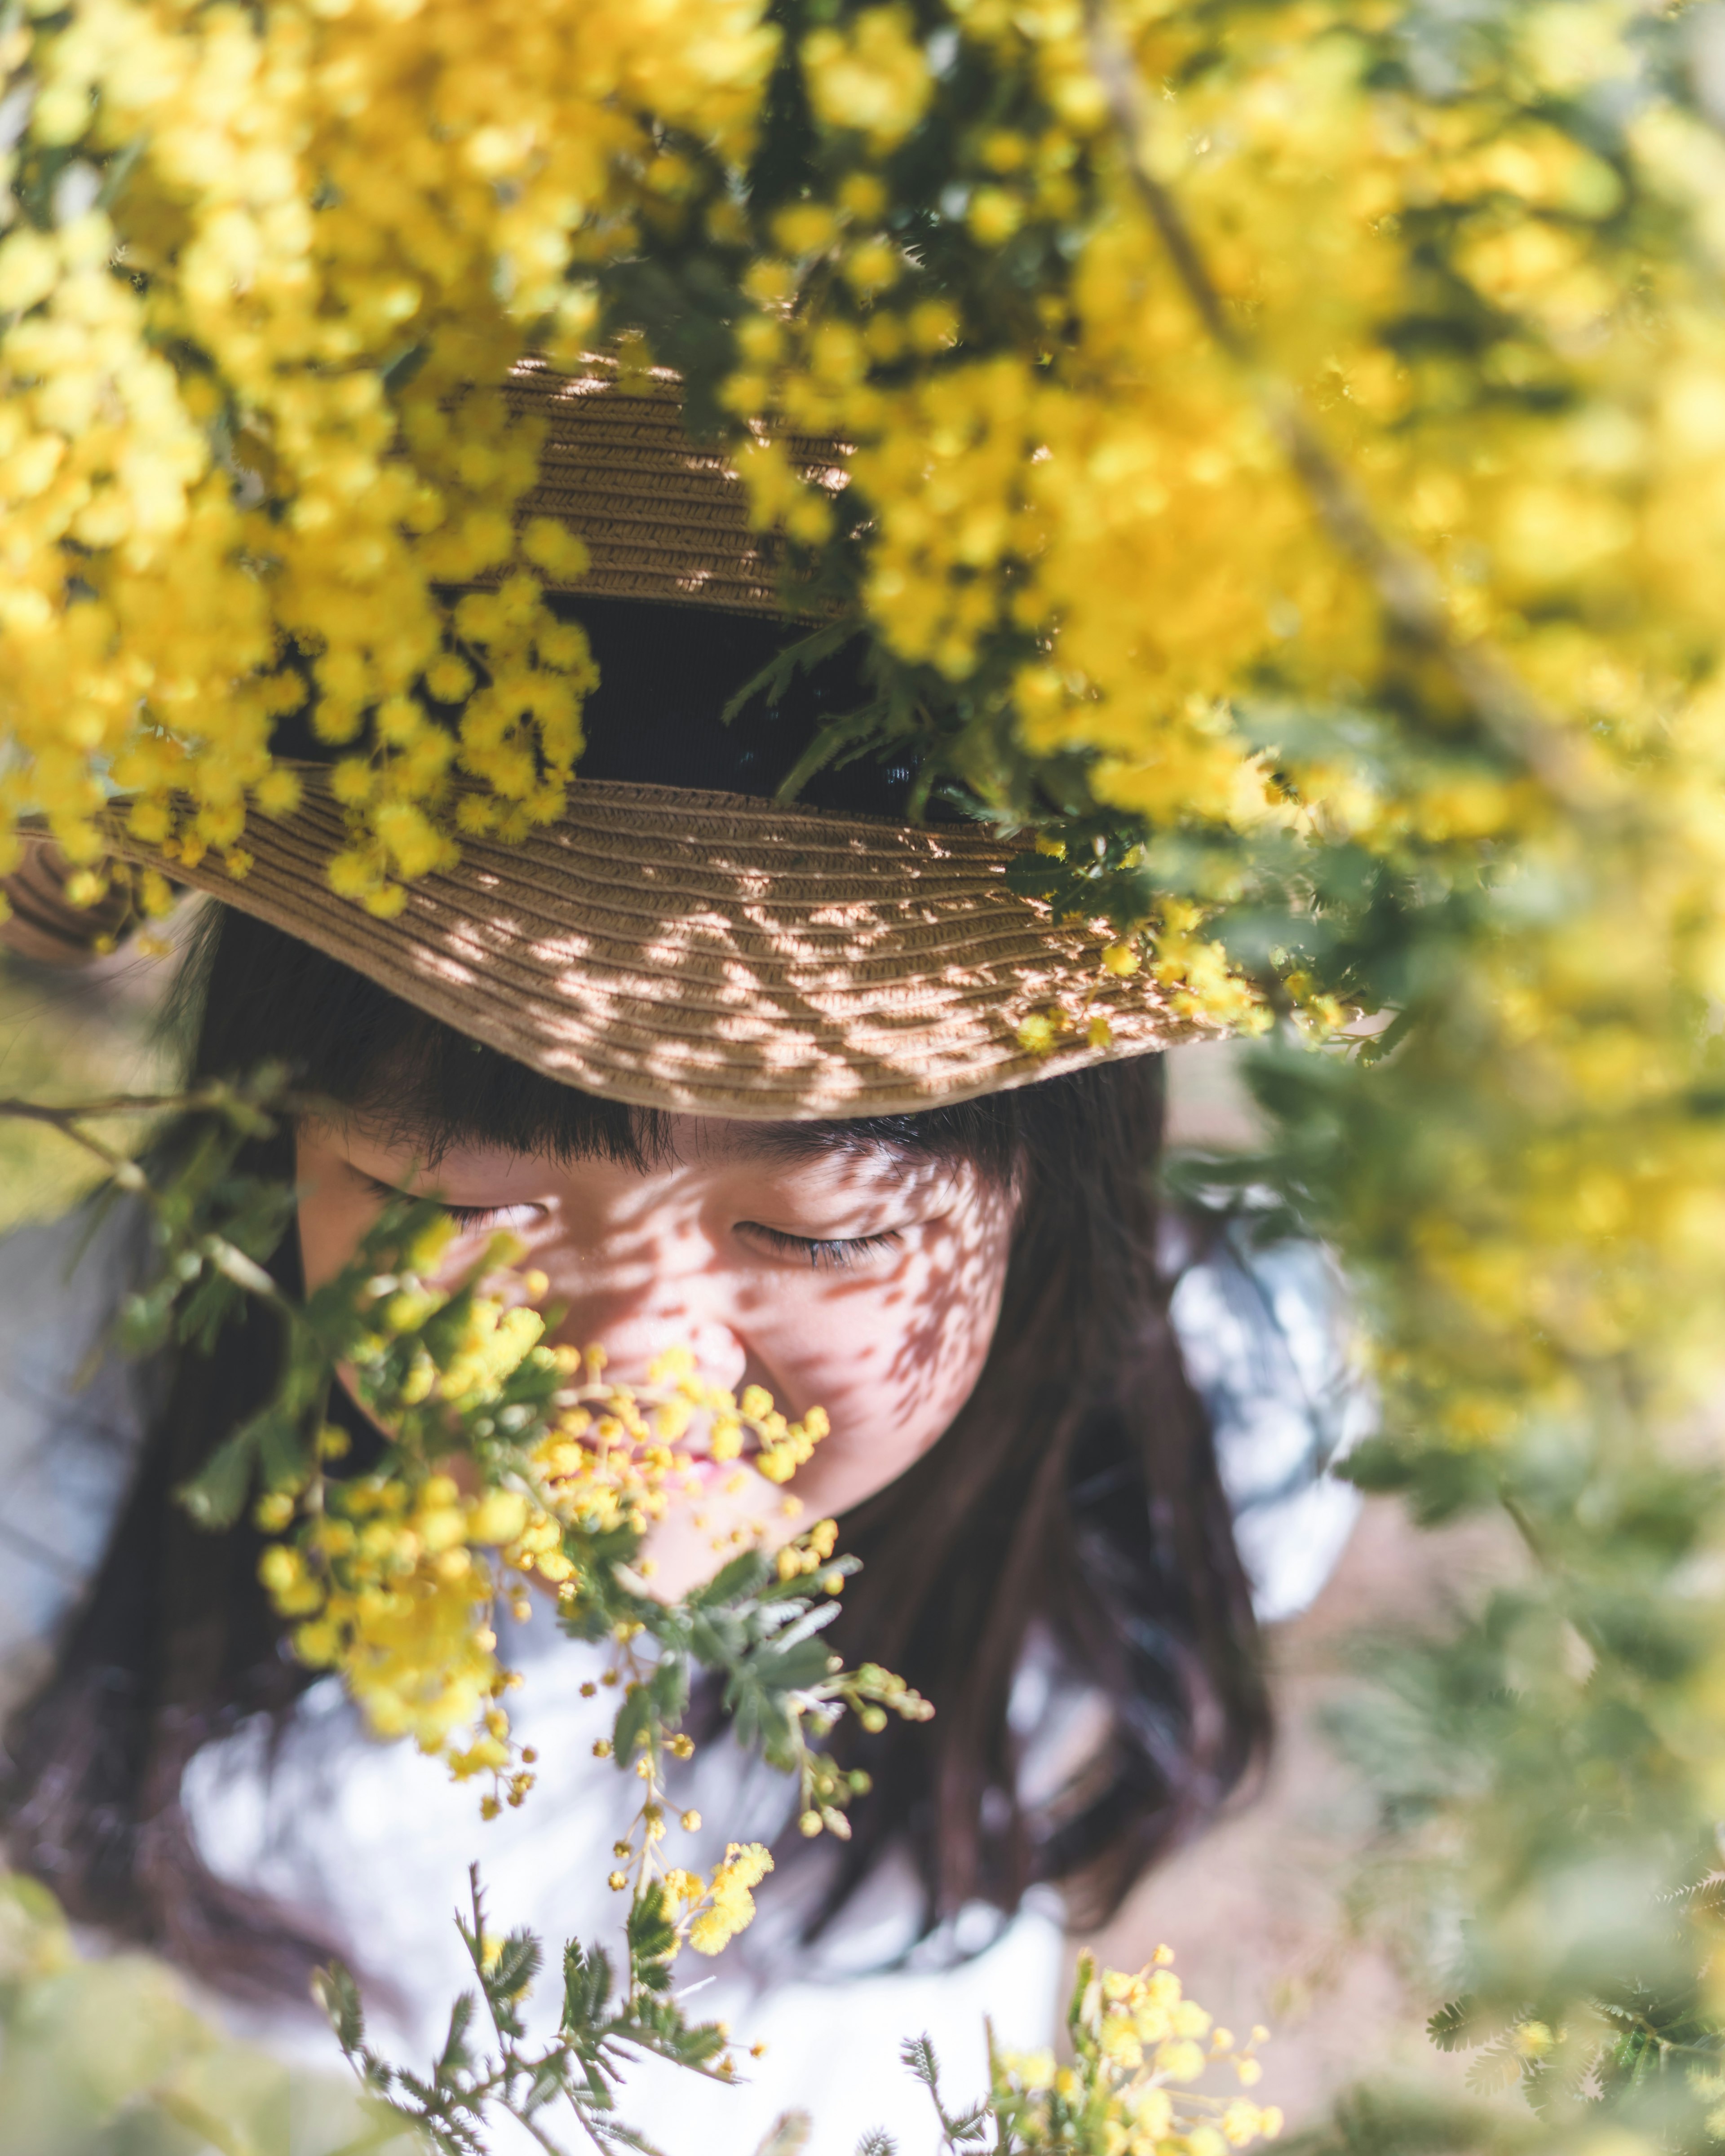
851, 1276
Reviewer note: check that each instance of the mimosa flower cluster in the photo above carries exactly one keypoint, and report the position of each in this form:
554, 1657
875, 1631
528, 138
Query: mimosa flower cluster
266, 274
1139, 2046
721, 1907
393, 1578
1147, 498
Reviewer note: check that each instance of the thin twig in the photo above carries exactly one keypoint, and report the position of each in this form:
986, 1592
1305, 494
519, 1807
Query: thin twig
200, 1100
507, 2054
1404, 582
69, 1120
66, 1122
117, 1104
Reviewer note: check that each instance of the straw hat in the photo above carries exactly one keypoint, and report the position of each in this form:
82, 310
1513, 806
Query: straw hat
708, 952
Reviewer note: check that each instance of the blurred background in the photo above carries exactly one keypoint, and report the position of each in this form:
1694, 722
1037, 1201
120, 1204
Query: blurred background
67, 1034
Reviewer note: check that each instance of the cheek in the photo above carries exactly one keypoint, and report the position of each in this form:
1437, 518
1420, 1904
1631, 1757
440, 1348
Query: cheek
892, 1362
331, 1227
321, 1249
334, 1215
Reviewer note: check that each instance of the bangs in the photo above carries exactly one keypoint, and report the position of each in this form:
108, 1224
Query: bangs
247, 994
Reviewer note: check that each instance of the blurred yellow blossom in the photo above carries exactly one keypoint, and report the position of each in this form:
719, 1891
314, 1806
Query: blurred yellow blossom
1120, 2094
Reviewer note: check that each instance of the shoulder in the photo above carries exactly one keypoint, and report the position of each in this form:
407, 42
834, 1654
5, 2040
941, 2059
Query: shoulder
71, 1418
1266, 1332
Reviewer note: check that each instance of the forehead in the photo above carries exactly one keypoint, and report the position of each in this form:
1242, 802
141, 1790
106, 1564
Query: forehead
725, 1139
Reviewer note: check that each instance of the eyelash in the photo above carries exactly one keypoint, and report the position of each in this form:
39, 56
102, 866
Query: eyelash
464, 1216
833, 1253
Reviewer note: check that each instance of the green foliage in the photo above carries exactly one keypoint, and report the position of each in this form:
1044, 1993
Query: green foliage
958, 2130
109, 2057
783, 1690
1375, 2121
577, 2071
1536, 1764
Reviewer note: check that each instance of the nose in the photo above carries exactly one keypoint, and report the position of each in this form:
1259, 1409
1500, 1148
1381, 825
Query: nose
633, 1339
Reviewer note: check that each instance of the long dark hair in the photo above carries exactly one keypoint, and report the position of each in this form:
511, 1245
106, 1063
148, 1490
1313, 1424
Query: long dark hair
1073, 1505
1074, 1500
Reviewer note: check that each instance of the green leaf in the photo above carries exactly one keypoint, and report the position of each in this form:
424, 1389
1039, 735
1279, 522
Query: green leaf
587, 1988
732, 1582
398, 370
215, 1494
145, 1319
516, 1966
718, 1639
635, 1719
788, 2135
652, 1937
693, 2046
455, 2057
792, 1668
917, 2053
551, 2079
1439, 1483
856, 730
775, 677
1036, 875
669, 1688
210, 1305
1452, 2027
760, 1719
285, 1456
338, 1995
1496, 2068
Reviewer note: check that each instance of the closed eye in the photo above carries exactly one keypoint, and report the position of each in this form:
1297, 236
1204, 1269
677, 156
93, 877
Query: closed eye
466, 1217
822, 1251
481, 1216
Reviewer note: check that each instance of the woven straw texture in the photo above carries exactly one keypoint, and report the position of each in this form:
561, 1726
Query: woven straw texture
716, 954
663, 518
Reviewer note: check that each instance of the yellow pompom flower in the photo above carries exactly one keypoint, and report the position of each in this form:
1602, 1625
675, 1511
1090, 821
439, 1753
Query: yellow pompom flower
873, 77
730, 1902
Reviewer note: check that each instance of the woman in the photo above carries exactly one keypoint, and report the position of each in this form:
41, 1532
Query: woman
749, 1079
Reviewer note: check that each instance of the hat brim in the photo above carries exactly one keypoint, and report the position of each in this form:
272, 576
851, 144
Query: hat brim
715, 954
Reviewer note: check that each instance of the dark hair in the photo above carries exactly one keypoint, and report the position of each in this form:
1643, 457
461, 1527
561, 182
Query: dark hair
1074, 1493
1075, 1496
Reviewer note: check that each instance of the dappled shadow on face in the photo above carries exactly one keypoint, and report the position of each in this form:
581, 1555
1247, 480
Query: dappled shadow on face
893, 1342
837, 1265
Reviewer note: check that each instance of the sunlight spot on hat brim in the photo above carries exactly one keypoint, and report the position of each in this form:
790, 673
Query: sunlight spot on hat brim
706, 953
